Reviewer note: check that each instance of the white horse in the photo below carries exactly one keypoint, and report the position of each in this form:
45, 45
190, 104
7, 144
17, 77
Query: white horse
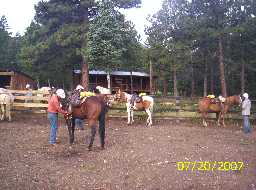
108, 97
44, 90
103, 90
6, 101
146, 103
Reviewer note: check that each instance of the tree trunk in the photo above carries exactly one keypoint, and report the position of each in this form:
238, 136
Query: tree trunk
192, 81
243, 77
165, 86
242, 66
85, 66
109, 80
175, 88
212, 80
205, 78
131, 79
85, 76
150, 77
222, 69
72, 80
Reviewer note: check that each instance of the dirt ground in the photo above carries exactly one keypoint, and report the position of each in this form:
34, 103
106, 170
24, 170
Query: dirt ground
136, 157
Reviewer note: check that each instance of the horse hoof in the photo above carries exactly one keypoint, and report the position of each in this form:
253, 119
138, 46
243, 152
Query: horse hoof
102, 148
89, 148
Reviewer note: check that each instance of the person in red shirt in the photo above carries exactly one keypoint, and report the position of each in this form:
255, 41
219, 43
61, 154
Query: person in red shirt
54, 107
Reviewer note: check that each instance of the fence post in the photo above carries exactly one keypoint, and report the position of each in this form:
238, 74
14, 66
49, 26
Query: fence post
177, 108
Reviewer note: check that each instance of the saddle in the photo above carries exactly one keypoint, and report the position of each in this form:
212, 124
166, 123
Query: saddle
138, 99
212, 99
77, 97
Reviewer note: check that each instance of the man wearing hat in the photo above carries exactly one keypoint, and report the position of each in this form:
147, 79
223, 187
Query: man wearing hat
54, 107
246, 107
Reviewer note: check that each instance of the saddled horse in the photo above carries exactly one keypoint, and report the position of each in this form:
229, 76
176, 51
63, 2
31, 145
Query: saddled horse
146, 104
205, 106
93, 109
6, 101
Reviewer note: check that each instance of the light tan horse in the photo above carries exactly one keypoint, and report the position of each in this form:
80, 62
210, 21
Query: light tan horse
146, 104
205, 106
6, 101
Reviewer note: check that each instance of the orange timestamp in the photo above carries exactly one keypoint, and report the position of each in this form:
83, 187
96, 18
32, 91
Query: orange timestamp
210, 166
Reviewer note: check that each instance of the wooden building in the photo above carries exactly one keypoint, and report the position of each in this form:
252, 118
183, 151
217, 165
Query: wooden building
127, 81
15, 80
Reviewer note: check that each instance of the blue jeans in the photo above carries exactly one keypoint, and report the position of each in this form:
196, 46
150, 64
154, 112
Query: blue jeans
247, 127
79, 123
53, 118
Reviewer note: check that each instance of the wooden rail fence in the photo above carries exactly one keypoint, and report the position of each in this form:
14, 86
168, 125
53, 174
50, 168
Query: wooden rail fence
38, 99
164, 107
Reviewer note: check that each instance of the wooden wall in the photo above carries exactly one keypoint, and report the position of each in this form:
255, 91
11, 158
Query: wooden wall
16, 80
19, 81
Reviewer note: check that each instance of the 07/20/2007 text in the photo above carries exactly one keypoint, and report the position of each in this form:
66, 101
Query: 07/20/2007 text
209, 166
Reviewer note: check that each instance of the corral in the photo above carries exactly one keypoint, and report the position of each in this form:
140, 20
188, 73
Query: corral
135, 157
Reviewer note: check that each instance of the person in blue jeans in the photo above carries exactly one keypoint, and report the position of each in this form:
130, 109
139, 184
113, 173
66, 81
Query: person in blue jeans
79, 123
54, 107
246, 107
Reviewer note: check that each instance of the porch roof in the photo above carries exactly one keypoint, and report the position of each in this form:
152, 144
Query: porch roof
118, 73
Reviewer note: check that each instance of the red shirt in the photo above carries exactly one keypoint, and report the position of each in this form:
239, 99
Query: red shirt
54, 105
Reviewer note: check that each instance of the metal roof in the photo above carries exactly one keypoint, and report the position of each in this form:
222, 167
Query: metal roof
119, 73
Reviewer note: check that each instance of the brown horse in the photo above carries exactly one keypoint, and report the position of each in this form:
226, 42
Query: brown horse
93, 109
205, 106
146, 104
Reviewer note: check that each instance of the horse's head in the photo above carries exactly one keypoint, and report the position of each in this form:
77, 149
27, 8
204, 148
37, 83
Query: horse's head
238, 99
110, 100
66, 105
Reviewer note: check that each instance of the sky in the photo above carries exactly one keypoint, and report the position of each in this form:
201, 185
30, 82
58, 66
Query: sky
19, 14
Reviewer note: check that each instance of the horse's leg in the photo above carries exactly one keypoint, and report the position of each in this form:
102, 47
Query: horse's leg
149, 120
129, 114
223, 123
71, 129
8, 111
219, 115
204, 115
102, 129
151, 113
132, 116
91, 124
2, 112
